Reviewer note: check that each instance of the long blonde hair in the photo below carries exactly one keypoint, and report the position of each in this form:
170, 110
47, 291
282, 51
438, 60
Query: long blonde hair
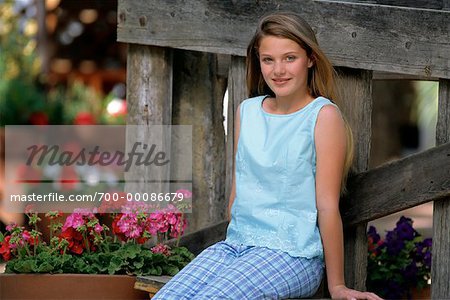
321, 76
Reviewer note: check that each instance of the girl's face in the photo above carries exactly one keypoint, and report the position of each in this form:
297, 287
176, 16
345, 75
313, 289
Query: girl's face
284, 66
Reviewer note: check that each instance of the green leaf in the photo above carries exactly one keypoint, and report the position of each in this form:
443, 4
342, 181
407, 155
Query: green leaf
115, 265
45, 267
25, 266
132, 250
138, 264
156, 271
170, 270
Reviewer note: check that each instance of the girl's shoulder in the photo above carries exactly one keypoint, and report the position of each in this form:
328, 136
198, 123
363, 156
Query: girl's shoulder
321, 102
253, 100
252, 103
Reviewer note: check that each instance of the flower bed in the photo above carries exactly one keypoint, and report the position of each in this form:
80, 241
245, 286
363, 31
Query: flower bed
400, 263
82, 244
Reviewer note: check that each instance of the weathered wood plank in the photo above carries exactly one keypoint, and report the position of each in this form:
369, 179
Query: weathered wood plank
440, 263
398, 185
236, 93
149, 102
151, 284
365, 36
443, 122
428, 4
398, 76
198, 101
149, 85
355, 91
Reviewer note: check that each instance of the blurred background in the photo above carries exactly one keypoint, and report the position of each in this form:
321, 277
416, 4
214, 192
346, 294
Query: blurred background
60, 64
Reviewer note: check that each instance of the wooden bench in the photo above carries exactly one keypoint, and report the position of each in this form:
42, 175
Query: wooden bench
151, 284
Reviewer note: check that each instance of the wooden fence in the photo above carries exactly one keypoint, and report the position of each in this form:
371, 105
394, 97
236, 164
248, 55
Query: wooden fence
184, 54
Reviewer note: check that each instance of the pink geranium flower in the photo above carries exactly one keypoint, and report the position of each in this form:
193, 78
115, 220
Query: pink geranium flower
162, 249
11, 227
98, 228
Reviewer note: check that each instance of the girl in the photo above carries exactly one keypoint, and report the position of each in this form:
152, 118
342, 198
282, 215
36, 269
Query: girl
293, 152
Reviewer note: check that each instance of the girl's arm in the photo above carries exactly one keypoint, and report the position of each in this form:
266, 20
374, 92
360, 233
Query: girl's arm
237, 128
330, 141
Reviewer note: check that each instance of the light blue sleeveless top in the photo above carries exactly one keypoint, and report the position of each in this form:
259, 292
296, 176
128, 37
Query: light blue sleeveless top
275, 204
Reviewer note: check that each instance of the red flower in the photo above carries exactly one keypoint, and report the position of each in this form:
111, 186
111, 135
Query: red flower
75, 239
5, 249
116, 229
84, 118
32, 241
38, 118
141, 240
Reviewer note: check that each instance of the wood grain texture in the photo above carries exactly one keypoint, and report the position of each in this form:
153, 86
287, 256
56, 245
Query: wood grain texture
428, 4
198, 92
149, 102
355, 101
355, 93
149, 83
356, 35
440, 263
443, 121
236, 94
399, 185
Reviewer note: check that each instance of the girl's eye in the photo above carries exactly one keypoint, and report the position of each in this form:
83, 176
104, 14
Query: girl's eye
266, 59
290, 58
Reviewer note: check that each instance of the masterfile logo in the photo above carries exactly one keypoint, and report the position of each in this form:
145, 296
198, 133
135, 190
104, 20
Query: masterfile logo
60, 167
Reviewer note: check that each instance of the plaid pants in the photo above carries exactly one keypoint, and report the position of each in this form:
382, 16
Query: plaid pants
225, 271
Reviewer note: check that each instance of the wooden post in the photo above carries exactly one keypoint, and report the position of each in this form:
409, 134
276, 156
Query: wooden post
440, 263
237, 92
198, 93
356, 97
42, 37
149, 102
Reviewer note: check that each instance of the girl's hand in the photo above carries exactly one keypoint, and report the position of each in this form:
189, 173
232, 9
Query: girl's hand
342, 292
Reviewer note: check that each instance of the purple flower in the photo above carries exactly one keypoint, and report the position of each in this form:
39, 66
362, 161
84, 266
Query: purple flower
373, 234
410, 272
393, 244
405, 230
404, 261
427, 242
427, 259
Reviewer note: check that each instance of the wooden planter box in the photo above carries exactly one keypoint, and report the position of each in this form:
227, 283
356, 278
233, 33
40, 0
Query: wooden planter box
68, 286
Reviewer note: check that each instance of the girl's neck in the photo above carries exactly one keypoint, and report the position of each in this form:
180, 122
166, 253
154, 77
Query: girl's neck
290, 104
